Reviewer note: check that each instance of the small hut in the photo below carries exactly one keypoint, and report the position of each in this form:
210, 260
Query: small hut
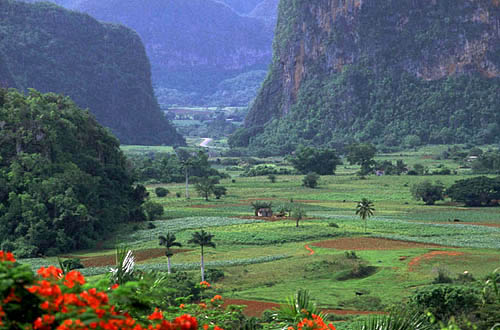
265, 212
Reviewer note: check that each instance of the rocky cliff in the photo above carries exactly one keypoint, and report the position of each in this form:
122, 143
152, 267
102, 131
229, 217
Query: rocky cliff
382, 70
102, 67
193, 45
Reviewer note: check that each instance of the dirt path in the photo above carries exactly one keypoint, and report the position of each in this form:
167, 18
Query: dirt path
311, 251
371, 243
415, 262
205, 142
255, 308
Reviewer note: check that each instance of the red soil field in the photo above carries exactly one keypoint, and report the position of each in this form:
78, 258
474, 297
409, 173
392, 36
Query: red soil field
109, 260
255, 308
370, 243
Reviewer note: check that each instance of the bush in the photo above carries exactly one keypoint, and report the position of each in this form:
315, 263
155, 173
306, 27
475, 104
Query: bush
178, 194
428, 192
220, 191
446, 300
310, 180
161, 192
153, 210
213, 275
272, 178
442, 277
333, 224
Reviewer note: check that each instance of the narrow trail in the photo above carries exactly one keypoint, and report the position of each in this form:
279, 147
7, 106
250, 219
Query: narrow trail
205, 142
415, 262
311, 251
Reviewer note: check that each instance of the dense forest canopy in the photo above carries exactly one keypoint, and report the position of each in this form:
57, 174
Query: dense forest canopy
102, 67
64, 182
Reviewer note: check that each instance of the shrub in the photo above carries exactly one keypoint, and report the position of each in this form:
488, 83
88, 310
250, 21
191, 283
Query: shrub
442, 277
213, 274
333, 224
446, 300
153, 210
310, 180
161, 192
272, 178
220, 191
351, 255
428, 192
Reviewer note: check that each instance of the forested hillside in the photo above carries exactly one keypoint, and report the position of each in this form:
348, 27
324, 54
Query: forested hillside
391, 72
103, 67
193, 45
64, 183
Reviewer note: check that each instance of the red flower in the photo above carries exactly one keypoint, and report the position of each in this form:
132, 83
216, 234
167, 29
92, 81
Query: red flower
7, 256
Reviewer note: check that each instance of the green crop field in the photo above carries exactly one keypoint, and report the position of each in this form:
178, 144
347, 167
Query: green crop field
268, 260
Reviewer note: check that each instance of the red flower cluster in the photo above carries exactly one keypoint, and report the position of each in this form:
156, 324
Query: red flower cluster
316, 323
68, 307
204, 284
7, 256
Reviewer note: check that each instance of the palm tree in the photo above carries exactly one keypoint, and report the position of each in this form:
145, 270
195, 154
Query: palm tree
202, 238
168, 241
365, 209
186, 164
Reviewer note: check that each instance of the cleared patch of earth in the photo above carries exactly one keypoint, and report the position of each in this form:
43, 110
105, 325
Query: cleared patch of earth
415, 262
370, 243
256, 308
110, 260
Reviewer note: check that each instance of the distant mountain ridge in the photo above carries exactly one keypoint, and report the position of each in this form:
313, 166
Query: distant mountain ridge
192, 45
102, 67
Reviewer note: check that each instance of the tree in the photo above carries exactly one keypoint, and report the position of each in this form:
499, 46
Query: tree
365, 209
202, 238
206, 186
428, 192
362, 154
322, 161
310, 180
297, 213
153, 210
161, 192
169, 241
478, 191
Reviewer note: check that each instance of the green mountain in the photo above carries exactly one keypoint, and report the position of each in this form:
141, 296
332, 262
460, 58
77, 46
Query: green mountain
193, 45
102, 67
391, 72
64, 182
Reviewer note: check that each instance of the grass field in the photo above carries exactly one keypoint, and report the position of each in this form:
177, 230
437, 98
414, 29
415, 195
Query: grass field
268, 261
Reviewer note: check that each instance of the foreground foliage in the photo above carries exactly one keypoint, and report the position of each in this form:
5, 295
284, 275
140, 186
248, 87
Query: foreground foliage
53, 300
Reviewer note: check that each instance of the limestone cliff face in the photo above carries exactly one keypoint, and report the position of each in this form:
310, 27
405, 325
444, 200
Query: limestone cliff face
430, 40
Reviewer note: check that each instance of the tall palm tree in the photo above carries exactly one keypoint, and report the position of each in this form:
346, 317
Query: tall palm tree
186, 165
202, 238
365, 209
168, 241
